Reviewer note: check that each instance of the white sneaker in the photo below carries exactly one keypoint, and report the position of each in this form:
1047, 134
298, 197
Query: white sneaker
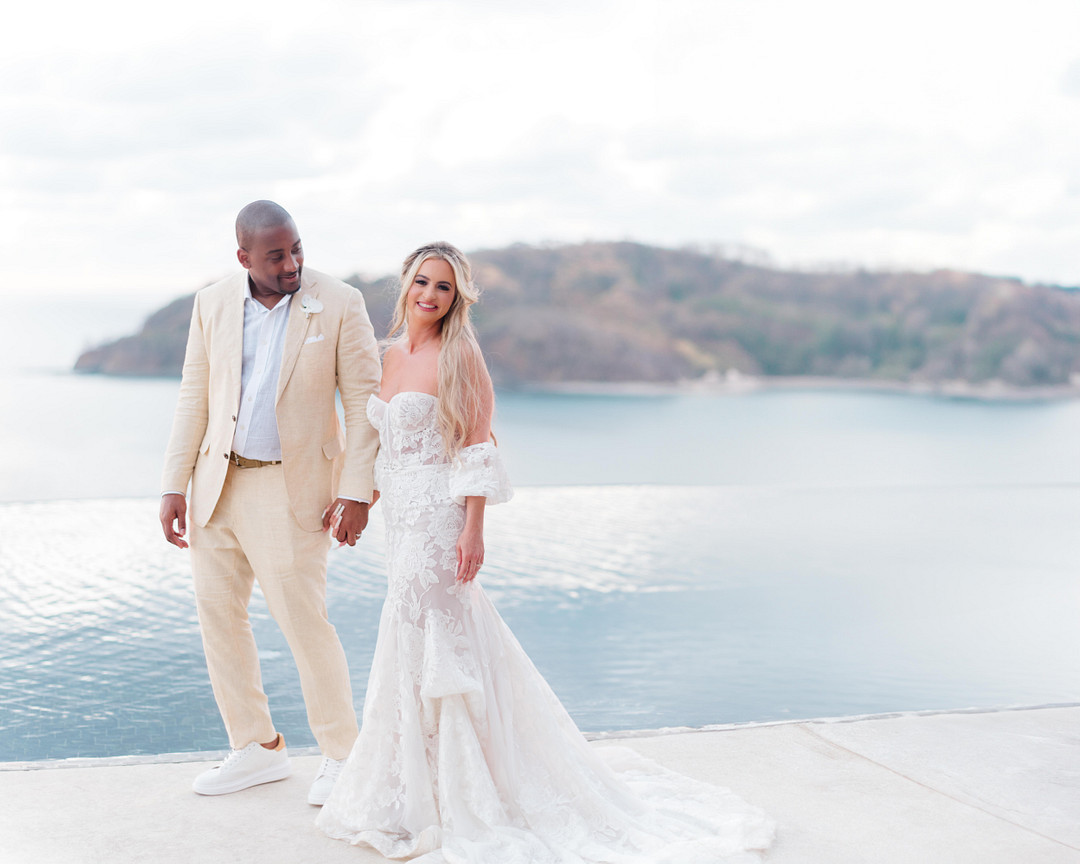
244, 768
324, 780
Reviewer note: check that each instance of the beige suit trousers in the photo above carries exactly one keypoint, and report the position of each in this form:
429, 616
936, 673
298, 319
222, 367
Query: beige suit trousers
253, 534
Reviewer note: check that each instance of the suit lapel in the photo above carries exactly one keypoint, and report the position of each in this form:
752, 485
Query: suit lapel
295, 333
232, 324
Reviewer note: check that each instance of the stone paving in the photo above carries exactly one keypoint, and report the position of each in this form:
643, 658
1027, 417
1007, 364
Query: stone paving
998, 787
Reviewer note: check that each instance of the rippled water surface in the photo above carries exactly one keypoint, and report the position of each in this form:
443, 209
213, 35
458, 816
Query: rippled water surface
644, 607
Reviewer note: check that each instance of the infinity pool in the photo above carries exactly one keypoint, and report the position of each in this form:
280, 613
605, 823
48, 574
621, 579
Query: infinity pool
644, 606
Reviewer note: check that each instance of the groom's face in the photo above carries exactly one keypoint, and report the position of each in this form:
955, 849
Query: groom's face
274, 259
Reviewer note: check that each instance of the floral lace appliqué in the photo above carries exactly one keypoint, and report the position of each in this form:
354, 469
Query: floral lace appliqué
465, 754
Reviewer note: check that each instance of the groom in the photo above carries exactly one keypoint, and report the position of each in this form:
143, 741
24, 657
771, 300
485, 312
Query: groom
256, 432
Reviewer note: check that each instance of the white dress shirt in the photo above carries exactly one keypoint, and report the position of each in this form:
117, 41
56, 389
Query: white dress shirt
256, 435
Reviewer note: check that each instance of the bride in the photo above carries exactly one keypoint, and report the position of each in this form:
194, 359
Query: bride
465, 754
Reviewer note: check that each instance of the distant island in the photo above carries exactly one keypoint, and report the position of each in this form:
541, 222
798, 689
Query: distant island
627, 315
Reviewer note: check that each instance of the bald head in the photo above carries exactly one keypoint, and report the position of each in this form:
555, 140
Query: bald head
270, 250
259, 216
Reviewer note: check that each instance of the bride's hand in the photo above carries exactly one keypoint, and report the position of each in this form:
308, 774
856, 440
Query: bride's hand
470, 553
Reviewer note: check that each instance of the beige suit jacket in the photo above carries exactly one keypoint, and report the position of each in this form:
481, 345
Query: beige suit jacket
332, 350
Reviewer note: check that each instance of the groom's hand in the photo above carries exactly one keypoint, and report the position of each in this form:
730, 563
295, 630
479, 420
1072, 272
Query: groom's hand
346, 520
174, 508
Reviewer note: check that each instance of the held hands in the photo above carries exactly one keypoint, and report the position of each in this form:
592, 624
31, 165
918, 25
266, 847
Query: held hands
174, 508
470, 553
345, 520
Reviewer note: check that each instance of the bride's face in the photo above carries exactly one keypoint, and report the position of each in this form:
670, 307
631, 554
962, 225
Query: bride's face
432, 291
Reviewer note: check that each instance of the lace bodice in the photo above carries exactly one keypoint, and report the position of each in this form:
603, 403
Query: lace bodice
409, 439
408, 430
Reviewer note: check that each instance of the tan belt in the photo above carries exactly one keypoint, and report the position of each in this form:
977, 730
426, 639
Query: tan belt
240, 462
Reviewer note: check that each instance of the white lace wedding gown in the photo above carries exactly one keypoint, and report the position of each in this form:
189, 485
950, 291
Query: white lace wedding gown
465, 755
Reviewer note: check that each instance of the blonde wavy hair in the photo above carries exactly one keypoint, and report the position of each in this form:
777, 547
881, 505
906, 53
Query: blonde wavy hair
460, 376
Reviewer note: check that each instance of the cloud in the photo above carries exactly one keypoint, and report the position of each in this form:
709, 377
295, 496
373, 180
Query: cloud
1070, 81
840, 130
114, 107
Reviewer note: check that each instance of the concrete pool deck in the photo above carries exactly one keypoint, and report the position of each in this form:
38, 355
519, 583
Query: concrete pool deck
994, 787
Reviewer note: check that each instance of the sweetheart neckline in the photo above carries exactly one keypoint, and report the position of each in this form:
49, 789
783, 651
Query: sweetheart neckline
402, 393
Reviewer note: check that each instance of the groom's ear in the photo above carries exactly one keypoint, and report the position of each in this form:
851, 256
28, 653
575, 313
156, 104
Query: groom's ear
244, 258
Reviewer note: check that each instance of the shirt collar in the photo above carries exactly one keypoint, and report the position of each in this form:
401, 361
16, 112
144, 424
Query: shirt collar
279, 305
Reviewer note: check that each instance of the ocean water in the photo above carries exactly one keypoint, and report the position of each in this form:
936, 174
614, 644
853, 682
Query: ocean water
667, 561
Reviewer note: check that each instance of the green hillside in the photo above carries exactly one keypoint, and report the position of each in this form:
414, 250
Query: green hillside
625, 312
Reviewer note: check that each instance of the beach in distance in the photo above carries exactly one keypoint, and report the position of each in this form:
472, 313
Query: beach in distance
735, 383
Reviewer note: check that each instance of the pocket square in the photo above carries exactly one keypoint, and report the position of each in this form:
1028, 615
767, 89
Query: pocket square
311, 339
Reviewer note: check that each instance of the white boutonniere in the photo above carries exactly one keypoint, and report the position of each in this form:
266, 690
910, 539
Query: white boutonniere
310, 305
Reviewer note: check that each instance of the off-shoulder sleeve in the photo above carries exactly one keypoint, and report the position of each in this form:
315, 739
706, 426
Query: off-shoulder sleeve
479, 471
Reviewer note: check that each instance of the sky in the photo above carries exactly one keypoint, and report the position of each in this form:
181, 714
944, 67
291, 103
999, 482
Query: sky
834, 133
